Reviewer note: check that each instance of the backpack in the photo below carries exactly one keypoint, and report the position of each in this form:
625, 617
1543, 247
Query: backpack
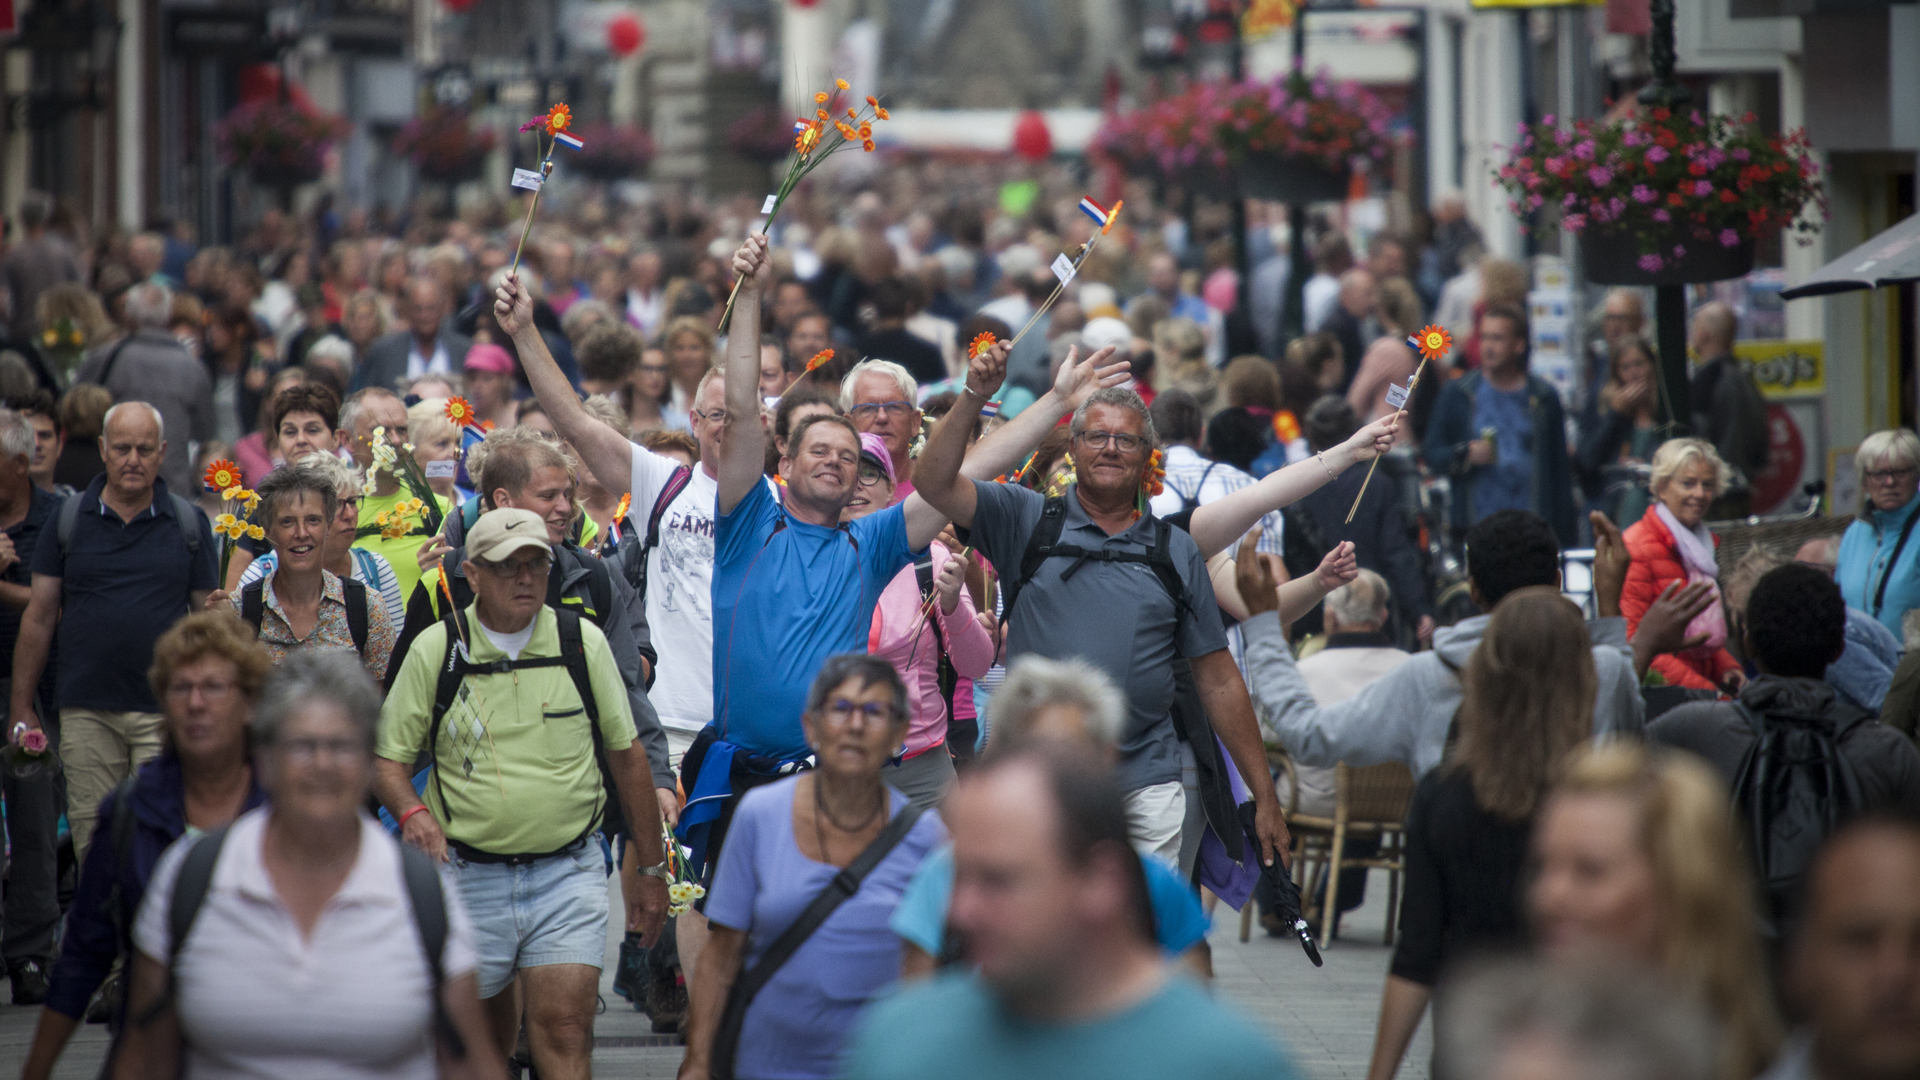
253, 608
183, 512
455, 668
1792, 790
961, 735
596, 605
1044, 543
424, 894
633, 557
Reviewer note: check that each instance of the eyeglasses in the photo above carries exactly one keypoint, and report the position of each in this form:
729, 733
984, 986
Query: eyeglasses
1888, 476
350, 502
871, 475
211, 690
1123, 442
717, 416
308, 751
842, 711
537, 566
896, 409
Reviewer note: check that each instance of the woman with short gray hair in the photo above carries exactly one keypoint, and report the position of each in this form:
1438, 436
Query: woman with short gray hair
344, 560
1879, 568
312, 921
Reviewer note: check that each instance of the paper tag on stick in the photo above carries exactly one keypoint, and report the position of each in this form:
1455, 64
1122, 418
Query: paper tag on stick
441, 470
767, 207
1063, 268
527, 178
1396, 395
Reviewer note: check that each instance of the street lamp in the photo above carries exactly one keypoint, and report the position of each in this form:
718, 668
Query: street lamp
1669, 301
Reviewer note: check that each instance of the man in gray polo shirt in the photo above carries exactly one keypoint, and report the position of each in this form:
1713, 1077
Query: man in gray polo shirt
1108, 594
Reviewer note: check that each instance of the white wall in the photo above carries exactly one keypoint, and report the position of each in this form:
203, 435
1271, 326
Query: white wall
1490, 114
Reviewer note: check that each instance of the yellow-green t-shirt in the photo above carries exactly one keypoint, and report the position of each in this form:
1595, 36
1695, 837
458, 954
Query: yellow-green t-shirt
403, 552
514, 760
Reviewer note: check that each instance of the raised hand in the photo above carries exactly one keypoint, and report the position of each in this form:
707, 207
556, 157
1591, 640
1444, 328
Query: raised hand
1077, 379
987, 371
1253, 575
751, 258
513, 306
1340, 566
1376, 438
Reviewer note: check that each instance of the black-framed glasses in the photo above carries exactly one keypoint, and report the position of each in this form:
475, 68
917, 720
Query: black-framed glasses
717, 416
841, 711
306, 751
871, 475
537, 566
1888, 476
896, 409
1121, 441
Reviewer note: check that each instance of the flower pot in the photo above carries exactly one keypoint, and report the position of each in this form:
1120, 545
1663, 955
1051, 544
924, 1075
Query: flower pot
1291, 180
1613, 258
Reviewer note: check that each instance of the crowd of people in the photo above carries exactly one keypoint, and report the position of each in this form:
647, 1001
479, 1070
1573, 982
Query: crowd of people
912, 645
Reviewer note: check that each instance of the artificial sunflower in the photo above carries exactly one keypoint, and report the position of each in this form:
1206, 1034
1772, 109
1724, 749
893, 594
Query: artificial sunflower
222, 474
558, 118
819, 358
981, 344
460, 411
1433, 342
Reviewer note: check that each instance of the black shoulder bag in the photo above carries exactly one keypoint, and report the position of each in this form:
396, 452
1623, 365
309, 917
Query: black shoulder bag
726, 1038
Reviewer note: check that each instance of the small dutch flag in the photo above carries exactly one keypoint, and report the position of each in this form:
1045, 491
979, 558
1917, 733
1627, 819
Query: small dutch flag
567, 139
990, 410
1095, 211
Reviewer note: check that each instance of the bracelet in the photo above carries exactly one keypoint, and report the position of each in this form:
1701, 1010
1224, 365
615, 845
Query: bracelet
968, 388
1322, 458
657, 870
402, 823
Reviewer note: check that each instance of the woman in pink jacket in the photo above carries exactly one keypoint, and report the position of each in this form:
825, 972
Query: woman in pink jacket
913, 626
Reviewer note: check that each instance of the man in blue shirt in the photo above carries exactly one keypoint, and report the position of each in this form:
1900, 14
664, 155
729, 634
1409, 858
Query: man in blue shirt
1066, 979
138, 558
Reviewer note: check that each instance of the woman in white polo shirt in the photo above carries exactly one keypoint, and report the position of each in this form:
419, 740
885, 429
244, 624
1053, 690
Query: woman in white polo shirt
305, 957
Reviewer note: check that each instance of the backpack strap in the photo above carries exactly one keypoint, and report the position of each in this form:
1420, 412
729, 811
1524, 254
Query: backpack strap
1040, 545
573, 653
453, 672
429, 902
189, 896
184, 515
839, 890
121, 831
253, 604
356, 593
113, 357
945, 675
69, 518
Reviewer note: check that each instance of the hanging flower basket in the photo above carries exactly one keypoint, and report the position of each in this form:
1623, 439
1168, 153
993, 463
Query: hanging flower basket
1292, 138
278, 143
764, 135
444, 146
614, 152
1665, 199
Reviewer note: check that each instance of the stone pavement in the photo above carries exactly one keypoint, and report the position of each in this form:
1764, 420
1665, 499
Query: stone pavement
1325, 1016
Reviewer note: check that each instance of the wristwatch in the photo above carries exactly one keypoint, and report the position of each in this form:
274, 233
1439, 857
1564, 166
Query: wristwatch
658, 870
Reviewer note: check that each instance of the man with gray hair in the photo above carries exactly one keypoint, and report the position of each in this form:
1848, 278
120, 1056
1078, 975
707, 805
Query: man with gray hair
881, 398
1087, 574
34, 264
123, 561
149, 365
32, 796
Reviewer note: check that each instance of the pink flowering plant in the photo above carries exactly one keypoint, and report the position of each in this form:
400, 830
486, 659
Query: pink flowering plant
1666, 179
1220, 125
277, 138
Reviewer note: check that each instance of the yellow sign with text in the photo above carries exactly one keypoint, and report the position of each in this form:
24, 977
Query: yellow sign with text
1785, 369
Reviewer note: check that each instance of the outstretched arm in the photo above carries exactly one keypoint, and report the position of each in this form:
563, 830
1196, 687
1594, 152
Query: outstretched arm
1221, 522
743, 445
1011, 442
607, 453
940, 492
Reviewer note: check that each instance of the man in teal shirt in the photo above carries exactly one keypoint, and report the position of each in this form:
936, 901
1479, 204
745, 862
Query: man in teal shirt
1064, 978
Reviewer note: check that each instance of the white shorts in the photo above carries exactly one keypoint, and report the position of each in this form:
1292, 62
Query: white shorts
678, 743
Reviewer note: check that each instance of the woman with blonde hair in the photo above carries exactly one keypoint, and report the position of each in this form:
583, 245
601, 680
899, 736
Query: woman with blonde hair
1528, 704
1635, 858
689, 343
1180, 361
1389, 360
1671, 543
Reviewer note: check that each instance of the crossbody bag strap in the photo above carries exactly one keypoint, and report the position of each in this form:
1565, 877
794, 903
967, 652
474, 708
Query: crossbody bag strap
1880, 594
726, 1040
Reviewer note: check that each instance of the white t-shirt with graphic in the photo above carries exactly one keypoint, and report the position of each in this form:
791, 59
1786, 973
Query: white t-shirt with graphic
679, 589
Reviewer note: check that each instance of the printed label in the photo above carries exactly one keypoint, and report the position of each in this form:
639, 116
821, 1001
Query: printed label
767, 207
440, 470
527, 178
1396, 395
1063, 268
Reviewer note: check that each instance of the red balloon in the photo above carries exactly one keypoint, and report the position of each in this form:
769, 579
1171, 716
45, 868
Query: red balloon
1031, 139
625, 34
458, 6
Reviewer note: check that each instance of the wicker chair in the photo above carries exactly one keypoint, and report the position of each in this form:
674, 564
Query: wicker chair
1368, 801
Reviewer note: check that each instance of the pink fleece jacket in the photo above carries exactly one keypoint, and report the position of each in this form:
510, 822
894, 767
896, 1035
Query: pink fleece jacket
906, 639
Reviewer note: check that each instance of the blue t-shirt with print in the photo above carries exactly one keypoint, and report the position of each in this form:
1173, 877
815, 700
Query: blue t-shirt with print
786, 596
1507, 484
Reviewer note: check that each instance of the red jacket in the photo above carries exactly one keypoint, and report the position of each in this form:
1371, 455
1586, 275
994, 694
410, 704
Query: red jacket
1656, 564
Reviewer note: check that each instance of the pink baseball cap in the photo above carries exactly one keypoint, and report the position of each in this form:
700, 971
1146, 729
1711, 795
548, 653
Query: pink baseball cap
873, 448
489, 358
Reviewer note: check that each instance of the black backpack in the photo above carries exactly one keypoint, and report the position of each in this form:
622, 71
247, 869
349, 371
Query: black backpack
1044, 543
183, 511
253, 608
633, 557
424, 894
961, 734
455, 668
1794, 788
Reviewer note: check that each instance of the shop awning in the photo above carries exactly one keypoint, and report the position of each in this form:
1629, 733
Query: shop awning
1892, 258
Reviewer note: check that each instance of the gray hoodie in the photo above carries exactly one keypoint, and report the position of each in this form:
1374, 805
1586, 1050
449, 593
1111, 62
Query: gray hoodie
1404, 717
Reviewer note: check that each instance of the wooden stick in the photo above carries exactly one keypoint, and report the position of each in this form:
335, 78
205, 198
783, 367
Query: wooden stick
546, 171
1411, 384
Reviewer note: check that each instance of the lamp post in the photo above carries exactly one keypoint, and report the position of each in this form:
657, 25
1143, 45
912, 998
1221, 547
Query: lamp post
1293, 318
1670, 301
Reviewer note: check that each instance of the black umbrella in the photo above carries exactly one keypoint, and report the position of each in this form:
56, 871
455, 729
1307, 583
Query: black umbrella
1286, 895
1892, 258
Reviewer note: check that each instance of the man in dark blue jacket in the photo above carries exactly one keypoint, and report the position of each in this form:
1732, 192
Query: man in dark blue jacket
1499, 433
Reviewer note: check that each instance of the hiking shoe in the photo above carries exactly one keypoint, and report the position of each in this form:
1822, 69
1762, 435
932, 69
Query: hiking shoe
667, 1001
29, 979
107, 1002
630, 974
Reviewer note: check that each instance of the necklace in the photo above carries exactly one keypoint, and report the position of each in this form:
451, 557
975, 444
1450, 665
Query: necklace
821, 813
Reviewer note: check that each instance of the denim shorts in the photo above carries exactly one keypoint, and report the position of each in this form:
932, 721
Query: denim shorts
553, 911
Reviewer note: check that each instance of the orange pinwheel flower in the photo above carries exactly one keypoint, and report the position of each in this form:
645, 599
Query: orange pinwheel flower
871, 101
981, 344
881, 113
819, 114
820, 98
558, 118
851, 115
626, 503
841, 83
486, 425
222, 475
460, 411
846, 132
1434, 342
866, 131
1113, 215
819, 358
867, 145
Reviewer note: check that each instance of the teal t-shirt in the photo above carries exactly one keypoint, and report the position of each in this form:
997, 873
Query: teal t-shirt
953, 1028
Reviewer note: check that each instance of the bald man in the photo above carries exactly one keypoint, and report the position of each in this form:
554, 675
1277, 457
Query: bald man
427, 345
1728, 410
